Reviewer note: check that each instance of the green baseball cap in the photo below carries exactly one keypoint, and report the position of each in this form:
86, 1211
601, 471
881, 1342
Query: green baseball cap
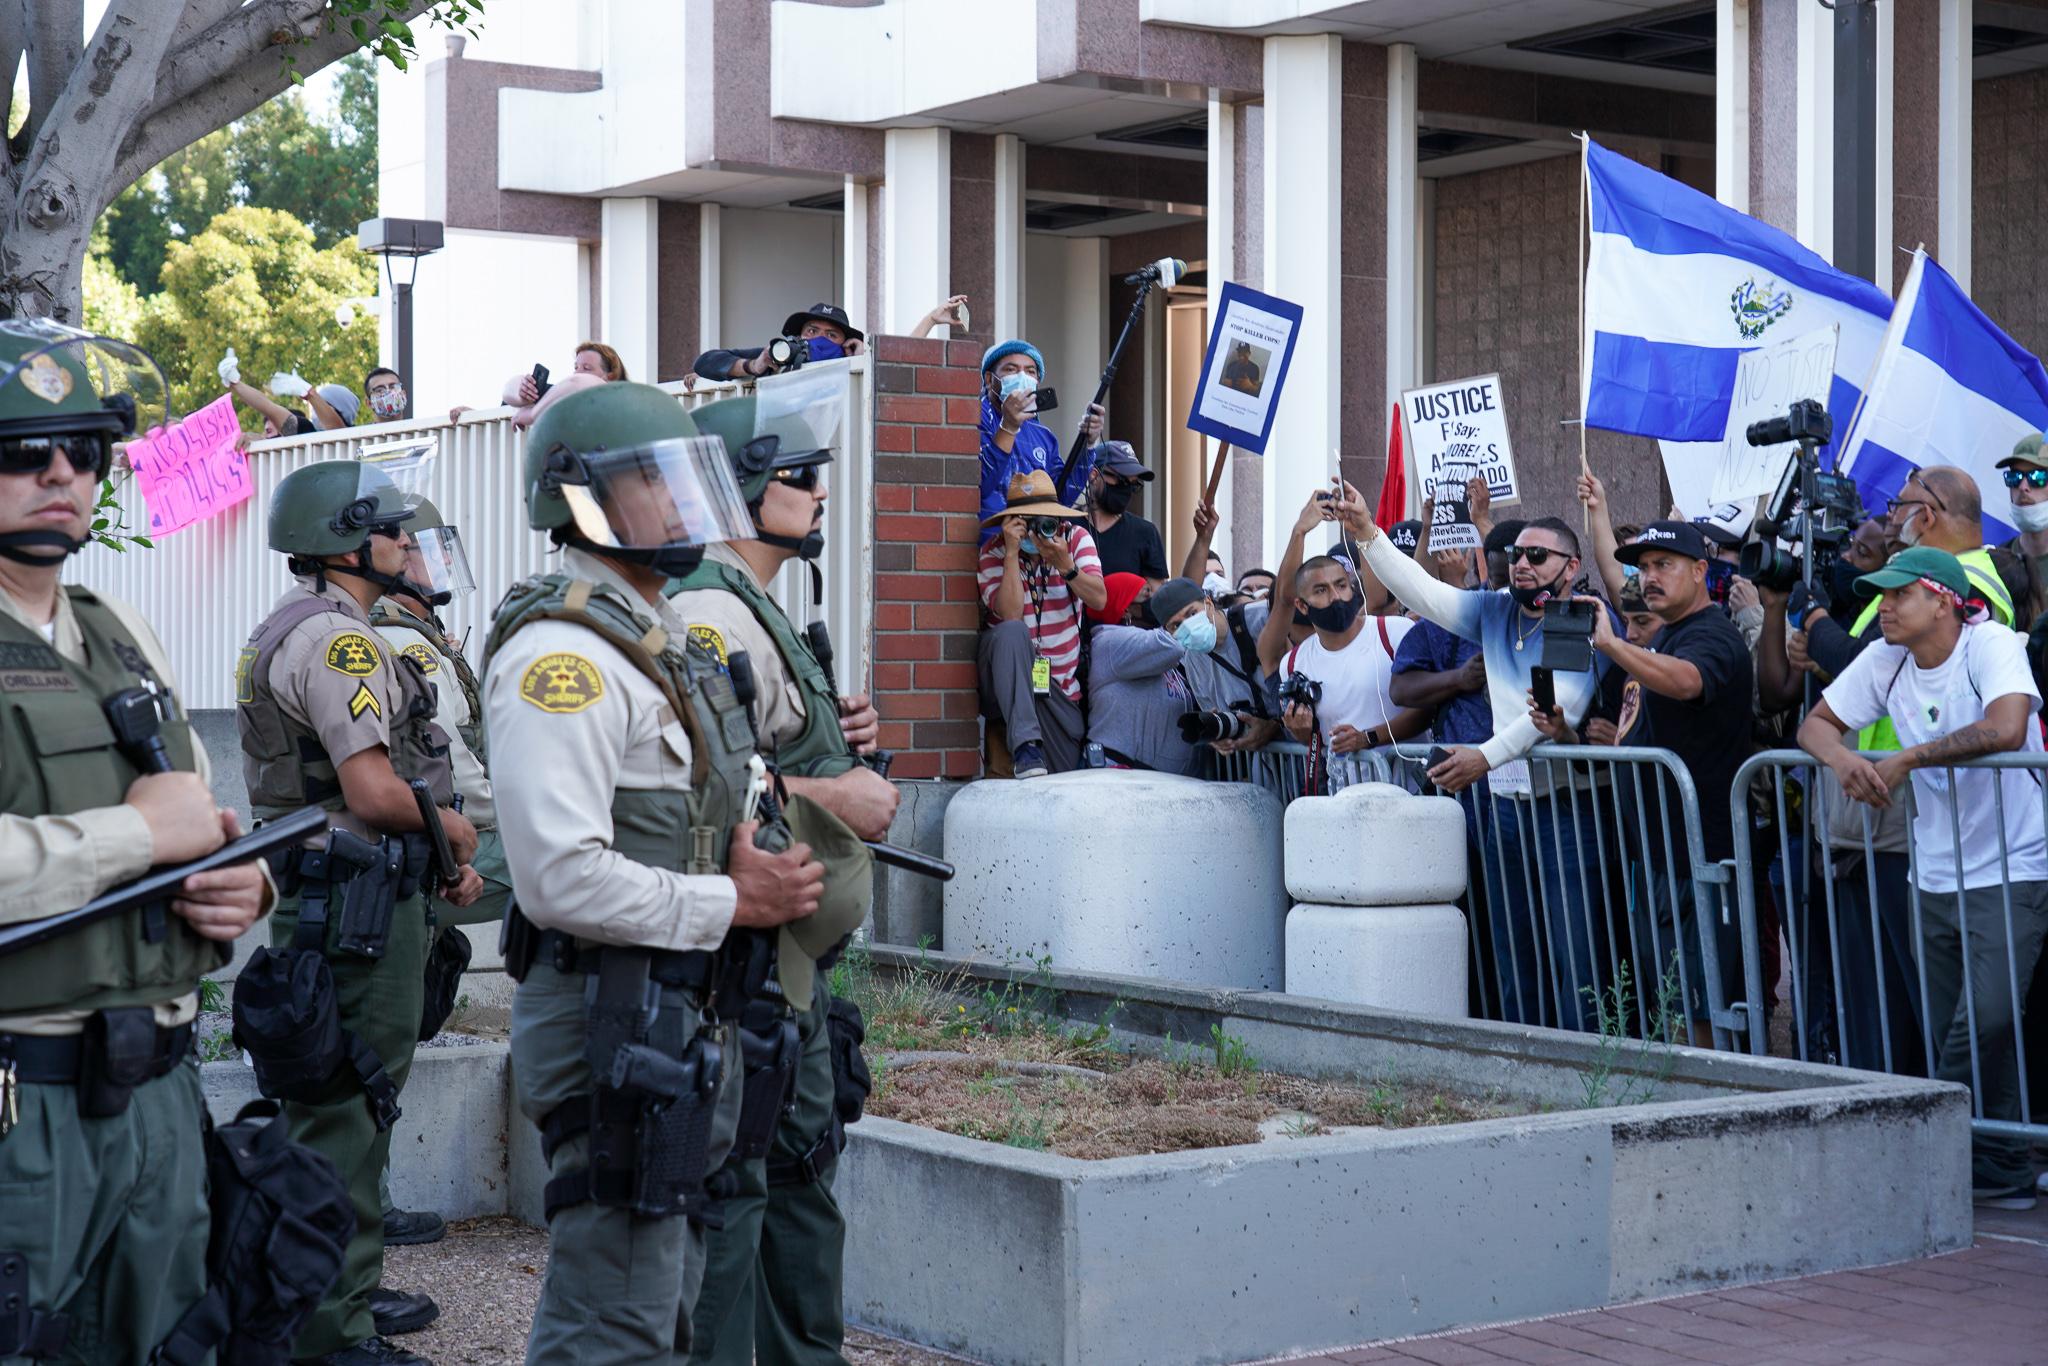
1913, 564
2026, 451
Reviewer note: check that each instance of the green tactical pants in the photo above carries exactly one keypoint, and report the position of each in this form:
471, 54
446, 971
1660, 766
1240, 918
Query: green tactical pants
773, 1281
619, 1288
490, 866
380, 1000
109, 1214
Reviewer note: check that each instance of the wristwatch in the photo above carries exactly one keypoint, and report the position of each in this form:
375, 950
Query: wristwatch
1072, 574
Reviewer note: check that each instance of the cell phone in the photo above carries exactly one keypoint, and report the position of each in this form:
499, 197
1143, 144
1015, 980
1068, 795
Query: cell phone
1543, 688
1048, 399
540, 382
1437, 755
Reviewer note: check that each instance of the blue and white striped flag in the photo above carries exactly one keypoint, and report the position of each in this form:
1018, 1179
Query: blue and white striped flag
1678, 286
1950, 389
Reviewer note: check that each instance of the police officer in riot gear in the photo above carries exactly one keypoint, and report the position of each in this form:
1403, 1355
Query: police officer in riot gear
773, 1288
629, 831
436, 573
103, 1204
330, 716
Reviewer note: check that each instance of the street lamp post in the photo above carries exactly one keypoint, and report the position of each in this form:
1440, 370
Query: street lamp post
410, 238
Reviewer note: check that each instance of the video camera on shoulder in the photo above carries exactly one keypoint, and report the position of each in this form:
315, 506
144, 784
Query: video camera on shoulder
1568, 635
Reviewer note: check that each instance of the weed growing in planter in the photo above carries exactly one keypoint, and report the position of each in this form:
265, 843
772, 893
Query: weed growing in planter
1650, 1058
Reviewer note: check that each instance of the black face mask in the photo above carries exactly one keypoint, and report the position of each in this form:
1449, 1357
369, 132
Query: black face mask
1335, 616
1300, 617
1842, 578
1114, 498
1529, 599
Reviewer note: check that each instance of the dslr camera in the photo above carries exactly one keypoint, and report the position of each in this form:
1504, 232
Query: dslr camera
1301, 690
1202, 727
788, 353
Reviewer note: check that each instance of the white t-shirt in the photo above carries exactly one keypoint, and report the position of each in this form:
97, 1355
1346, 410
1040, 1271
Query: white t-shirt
1355, 679
1989, 662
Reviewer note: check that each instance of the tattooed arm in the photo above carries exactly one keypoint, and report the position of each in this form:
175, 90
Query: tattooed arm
2003, 728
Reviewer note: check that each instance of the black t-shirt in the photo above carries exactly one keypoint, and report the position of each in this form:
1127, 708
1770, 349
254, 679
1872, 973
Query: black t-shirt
1132, 546
1711, 734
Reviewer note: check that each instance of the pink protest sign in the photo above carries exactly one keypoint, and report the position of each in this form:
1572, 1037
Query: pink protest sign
191, 470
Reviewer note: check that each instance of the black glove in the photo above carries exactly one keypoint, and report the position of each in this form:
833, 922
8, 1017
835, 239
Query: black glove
1802, 600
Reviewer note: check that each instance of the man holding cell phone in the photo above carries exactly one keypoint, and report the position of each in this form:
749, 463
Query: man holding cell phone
1013, 440
1532, 843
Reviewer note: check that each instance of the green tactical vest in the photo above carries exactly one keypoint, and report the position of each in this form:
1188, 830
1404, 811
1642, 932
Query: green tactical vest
1880, 736
683, 832
58, 756
820, 750
388, 613
284, 762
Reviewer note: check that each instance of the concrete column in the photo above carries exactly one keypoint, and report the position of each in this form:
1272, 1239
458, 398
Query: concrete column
1403, 194
709, 323
1953, 163
631, 265
1731, 103
1884, 131
917, 232
1007, 305
1221, 226
853, 254
1815, 136
1775, 82
1303, 206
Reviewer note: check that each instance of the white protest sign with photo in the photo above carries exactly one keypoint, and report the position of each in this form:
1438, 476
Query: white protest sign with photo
1461, 426
1769, 380
1250, 348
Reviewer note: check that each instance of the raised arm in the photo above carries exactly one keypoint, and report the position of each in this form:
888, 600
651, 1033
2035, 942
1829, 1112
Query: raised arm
1205, 532
1273, 636
1594, 495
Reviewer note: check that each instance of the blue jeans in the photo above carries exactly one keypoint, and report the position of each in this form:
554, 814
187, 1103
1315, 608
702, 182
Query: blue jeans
1542, 871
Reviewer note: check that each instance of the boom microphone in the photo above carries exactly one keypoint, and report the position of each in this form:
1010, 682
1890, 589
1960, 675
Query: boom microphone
1165, 272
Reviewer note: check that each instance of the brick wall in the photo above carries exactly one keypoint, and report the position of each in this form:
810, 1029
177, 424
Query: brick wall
927, 488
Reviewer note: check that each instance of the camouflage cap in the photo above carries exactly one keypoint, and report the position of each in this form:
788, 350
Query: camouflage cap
2027, 451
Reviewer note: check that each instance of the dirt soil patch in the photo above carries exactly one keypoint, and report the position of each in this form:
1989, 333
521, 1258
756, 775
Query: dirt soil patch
994, 1061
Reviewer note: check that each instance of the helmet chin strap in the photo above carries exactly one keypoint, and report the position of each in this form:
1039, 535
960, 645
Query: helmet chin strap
15, 545
806, 548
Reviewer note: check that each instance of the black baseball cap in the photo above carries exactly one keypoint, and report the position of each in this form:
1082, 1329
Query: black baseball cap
1119, 459
1680, 538
1405, 536
824, 313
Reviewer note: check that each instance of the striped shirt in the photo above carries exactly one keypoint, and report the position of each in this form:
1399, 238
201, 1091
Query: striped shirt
1051, 613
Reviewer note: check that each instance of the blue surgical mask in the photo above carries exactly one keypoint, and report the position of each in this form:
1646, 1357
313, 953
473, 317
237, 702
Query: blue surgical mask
824, 348
1196, 635
1014, 382
1027, 546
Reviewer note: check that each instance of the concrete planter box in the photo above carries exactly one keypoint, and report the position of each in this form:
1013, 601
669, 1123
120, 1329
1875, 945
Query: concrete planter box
1744, 1170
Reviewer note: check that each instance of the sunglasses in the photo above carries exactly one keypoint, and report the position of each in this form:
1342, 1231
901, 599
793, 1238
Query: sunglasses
804, 477
2033, 479
1534, 554
32, 454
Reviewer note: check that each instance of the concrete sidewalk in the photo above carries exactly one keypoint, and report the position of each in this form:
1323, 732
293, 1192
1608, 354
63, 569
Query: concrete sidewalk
1986, 1306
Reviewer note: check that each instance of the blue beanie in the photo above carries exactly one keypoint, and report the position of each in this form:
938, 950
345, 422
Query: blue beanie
1013, 347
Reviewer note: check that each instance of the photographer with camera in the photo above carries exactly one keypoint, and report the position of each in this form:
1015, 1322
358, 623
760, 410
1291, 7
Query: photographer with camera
1013, 440
1335, 683
821, 332
1035, 575
1156, 696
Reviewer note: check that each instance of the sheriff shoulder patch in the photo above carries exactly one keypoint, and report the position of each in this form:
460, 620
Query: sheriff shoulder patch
422, 656
364, 701
353, 654
710, 639
561, 682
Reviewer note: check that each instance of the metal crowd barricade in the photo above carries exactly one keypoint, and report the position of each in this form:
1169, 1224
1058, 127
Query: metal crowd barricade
1592, 904
1868, 951
1280, 767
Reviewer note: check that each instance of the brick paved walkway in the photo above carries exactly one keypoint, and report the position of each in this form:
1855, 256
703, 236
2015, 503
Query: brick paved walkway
1986, 1306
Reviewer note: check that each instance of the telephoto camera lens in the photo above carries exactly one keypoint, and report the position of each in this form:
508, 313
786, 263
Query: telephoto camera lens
1202, 727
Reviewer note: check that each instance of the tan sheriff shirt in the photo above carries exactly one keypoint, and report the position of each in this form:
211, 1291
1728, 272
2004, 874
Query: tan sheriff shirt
50, 864
431, 649
572, 721
726, 624
333, 676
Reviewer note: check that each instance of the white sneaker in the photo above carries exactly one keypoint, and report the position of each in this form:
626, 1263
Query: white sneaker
2019, 1198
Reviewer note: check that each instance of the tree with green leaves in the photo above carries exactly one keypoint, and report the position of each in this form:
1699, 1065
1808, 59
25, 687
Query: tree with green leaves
156, 77
256, 280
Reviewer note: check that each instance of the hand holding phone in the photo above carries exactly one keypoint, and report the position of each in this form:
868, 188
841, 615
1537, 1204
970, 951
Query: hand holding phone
1543, 689
540, 382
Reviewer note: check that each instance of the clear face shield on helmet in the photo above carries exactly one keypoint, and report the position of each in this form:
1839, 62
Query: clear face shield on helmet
671, 496
437, 562
80, 392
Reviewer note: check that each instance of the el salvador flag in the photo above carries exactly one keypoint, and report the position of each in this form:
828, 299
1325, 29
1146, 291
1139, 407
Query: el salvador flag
1678, 286
1950, 389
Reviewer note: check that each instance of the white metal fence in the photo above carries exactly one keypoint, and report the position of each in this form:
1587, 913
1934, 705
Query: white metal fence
205, 588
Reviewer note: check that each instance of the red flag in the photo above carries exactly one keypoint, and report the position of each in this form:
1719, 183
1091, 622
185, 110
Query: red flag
1394, 485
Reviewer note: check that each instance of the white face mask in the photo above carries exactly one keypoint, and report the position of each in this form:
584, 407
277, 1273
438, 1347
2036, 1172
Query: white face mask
2030, 516
1909, 531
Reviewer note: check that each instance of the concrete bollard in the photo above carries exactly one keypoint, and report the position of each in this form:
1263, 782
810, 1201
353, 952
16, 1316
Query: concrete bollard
1374, 869
1147, 874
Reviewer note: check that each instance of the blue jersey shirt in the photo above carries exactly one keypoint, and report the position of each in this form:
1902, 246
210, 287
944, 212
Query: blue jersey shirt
1034, 448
